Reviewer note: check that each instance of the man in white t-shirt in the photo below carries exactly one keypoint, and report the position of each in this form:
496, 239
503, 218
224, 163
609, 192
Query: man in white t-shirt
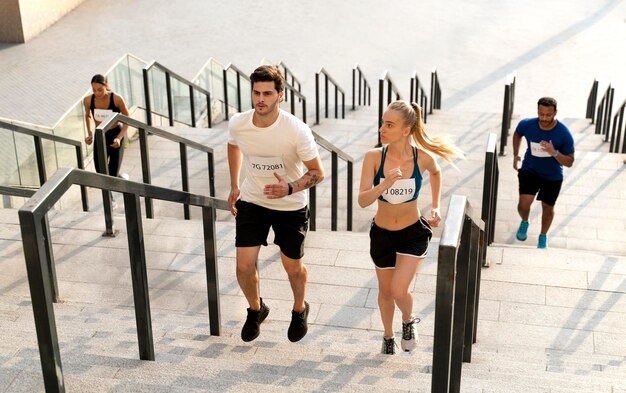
279, 158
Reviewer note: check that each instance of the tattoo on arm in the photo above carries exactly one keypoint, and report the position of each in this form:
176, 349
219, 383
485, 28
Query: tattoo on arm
310, 179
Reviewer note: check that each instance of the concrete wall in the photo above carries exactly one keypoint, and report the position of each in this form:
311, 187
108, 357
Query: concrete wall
21, 20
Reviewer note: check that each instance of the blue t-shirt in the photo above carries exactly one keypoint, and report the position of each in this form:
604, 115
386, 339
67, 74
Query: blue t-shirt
538, 161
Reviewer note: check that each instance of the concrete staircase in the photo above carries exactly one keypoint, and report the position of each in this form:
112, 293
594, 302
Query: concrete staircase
549, 321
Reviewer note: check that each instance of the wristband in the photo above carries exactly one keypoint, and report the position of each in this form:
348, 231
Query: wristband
290, 189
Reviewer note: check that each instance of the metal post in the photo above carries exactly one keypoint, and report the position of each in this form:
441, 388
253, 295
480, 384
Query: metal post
170, 104
334, 175
349, 185
41, 162
225, 73
83, 190
184, 172
312, 207
146, 90
354, 89
381, 87
139, 276
41, 299
325, 96
145, 169
192, 108
211, 159
317, 98
210, 255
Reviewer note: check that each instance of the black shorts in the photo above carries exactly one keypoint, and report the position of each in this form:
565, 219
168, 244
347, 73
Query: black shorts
253, 224
412, 240
530, 184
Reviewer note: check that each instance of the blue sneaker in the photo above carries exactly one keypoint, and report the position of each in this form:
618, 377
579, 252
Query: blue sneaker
522, 231
543, 241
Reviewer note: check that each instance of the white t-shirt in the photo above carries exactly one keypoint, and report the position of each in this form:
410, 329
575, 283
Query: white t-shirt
281, 147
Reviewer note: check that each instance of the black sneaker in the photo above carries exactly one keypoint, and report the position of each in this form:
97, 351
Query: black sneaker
252, 327
389, 346
298, 326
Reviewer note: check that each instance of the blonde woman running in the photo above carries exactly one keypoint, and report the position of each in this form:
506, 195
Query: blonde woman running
399, 235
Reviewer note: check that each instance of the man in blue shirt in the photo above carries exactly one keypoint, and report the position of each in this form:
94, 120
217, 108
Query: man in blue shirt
550, 147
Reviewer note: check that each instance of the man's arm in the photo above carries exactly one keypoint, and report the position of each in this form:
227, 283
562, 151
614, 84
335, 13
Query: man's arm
314, 175
234, 167
517, 138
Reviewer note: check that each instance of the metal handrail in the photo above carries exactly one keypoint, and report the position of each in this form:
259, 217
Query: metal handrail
365, 93
335, 154
457, 294
591, 101
37, 246
240, 74
38, 135
295, 93
619, 133
288, 74
328, 78
435, 90
490, 194
418, 95
605, 109
507, 111
391, 88
144, 131
169, 74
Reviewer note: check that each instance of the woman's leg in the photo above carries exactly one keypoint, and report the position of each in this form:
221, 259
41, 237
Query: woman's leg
385, 299
406, 268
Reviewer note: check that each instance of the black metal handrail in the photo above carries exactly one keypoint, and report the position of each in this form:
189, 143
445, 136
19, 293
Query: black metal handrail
490, 194
457, 294
144, 130
507, 111
335, 154
37, 245
619, 132
289, 89
38, 136
418, 95
391, 88
591, 102
328, 78
605, 109
239, 75
360, 88
435, 90
169, 74
291, 79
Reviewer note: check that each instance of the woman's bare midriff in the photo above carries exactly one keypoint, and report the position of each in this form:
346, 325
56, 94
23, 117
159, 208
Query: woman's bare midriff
396, 217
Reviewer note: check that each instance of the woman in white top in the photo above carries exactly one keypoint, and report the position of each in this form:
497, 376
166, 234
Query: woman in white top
98, 106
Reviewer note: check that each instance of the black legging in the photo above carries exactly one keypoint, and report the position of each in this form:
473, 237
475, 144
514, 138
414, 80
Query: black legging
114, 156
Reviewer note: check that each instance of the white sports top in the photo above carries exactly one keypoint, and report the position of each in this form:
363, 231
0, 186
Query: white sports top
281, 147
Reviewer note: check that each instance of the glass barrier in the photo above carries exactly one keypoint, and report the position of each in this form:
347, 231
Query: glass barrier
180, 101
18, 163
211, 78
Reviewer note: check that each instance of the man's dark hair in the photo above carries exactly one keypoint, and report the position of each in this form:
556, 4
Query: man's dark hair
547, 101
268, 73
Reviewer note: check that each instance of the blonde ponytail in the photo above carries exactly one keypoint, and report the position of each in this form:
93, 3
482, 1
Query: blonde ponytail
435, 144
439, 145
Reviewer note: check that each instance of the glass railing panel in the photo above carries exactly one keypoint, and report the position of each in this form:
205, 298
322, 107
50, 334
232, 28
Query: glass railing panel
158, 92
73, 127
27, 160
246, 95
231, 90
135, 68
9, 175
180, 99
200, 108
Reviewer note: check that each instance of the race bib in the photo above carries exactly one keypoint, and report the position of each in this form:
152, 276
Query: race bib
266, 166
101, 115
537, 151
401, 191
